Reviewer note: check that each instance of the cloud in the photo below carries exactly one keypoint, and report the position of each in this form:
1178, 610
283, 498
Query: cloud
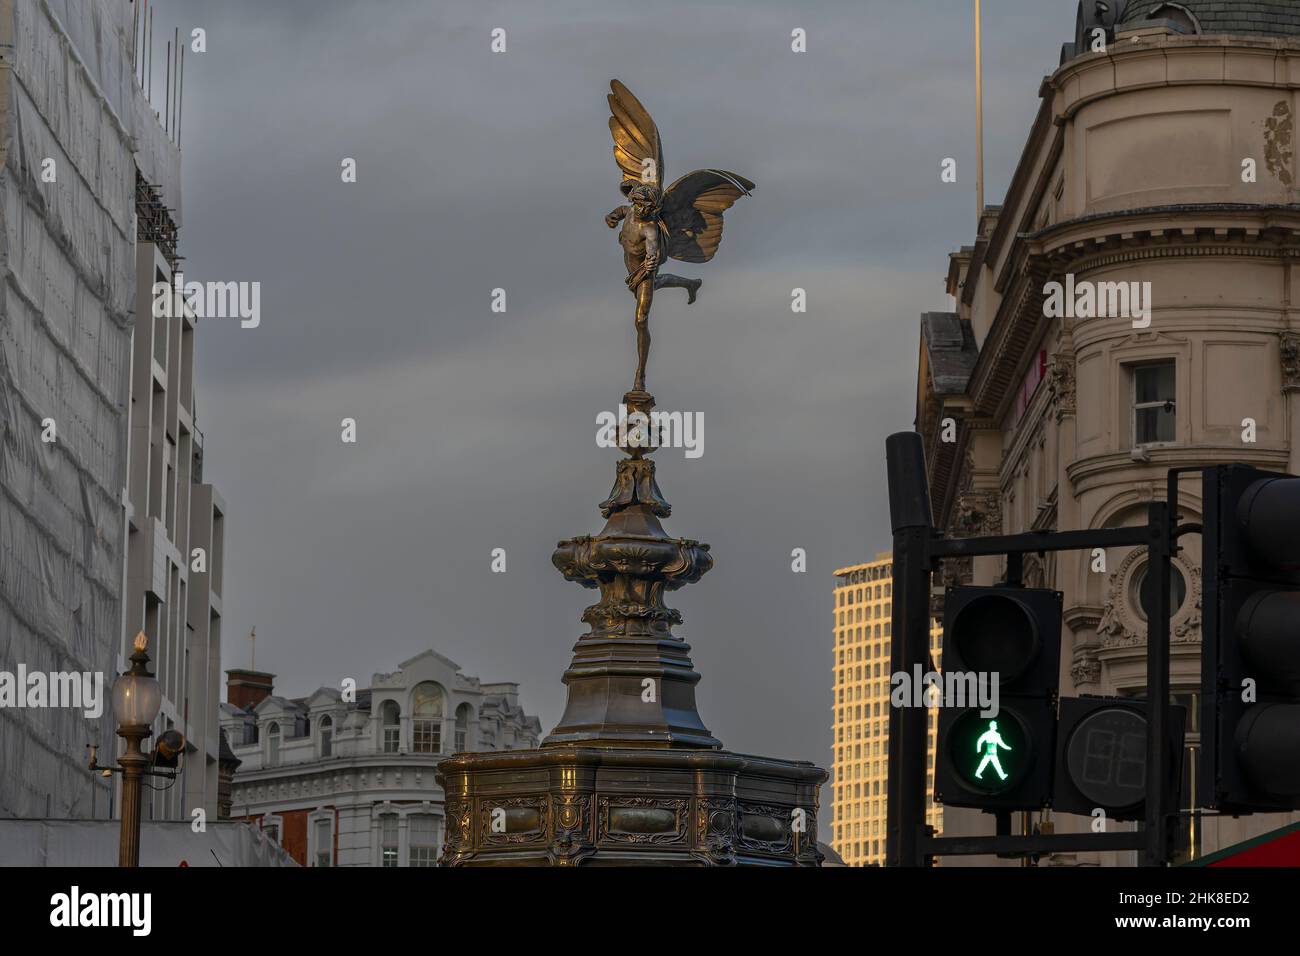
477, 429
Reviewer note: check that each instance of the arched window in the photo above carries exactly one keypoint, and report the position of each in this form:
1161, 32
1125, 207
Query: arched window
426, 722
390, 719
273, 744
462, 727
326, 736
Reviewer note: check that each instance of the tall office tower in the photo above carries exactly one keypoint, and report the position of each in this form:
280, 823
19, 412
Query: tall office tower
863, 608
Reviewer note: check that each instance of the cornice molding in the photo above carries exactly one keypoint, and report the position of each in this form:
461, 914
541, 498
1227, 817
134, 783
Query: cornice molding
1109, 239
1119, 467
1068, 83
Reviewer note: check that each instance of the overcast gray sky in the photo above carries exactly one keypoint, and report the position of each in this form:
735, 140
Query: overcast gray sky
476, 430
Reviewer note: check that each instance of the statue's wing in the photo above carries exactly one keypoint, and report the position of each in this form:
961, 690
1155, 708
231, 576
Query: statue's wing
693, 208
636, 139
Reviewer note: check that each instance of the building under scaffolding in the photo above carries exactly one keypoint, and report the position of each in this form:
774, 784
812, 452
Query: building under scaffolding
99, 501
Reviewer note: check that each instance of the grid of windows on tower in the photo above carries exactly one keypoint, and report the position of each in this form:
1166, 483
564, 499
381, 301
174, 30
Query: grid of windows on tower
863, 609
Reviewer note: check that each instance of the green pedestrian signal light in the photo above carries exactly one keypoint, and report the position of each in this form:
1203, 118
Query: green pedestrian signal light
988, 752
989, 742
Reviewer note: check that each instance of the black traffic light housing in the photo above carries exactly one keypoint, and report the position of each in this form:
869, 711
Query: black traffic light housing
1250, 754
1101, 756
1001, 762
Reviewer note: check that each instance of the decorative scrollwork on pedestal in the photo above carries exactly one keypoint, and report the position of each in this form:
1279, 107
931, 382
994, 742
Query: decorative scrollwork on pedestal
766, 829
457, 845
523, 820
715, 831
634, 483
571, 840
641, 821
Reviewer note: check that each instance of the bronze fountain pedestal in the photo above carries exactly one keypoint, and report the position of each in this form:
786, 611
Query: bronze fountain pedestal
630, 775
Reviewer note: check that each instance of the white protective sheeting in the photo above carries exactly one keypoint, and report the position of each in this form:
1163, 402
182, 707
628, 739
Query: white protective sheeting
95, 843
67, 291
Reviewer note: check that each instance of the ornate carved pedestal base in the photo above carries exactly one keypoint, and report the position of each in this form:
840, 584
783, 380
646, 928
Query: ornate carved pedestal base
630, 775
593, 806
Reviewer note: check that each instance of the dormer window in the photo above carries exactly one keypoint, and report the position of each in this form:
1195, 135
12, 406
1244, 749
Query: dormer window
1176, 15
326, 736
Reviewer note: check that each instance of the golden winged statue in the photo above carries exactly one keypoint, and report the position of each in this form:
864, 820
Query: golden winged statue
682, 222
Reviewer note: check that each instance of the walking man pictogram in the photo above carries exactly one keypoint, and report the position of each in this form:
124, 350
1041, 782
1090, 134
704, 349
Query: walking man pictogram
989, 742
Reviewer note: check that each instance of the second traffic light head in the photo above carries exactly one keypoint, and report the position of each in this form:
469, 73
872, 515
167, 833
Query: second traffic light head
1250, 648
1268, 519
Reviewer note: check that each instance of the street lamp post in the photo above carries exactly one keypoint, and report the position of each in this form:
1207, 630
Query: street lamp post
133, 763
137, 698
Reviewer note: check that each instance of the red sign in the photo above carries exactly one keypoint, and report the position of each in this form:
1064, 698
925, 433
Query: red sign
1033, 378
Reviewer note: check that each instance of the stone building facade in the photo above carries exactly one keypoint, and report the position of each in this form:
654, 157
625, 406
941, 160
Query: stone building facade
341, 782
1161, 167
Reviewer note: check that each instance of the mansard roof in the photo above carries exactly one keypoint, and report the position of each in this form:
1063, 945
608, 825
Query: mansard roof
950, 350
1267, 18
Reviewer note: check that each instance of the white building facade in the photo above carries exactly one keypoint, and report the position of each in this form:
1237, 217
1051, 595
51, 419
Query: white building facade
342, 782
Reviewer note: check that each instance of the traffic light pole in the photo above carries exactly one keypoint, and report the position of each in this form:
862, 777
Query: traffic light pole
1160, 547
918, 549
909, 511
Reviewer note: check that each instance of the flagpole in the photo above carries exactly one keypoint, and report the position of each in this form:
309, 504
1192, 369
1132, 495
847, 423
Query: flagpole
979, 118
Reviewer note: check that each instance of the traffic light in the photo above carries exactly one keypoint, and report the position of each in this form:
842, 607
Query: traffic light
1011, 636
1250, 651
1101, 756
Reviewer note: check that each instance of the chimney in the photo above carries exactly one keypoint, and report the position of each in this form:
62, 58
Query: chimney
246, 689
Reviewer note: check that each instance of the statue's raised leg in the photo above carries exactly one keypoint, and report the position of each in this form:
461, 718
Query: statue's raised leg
665, 280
